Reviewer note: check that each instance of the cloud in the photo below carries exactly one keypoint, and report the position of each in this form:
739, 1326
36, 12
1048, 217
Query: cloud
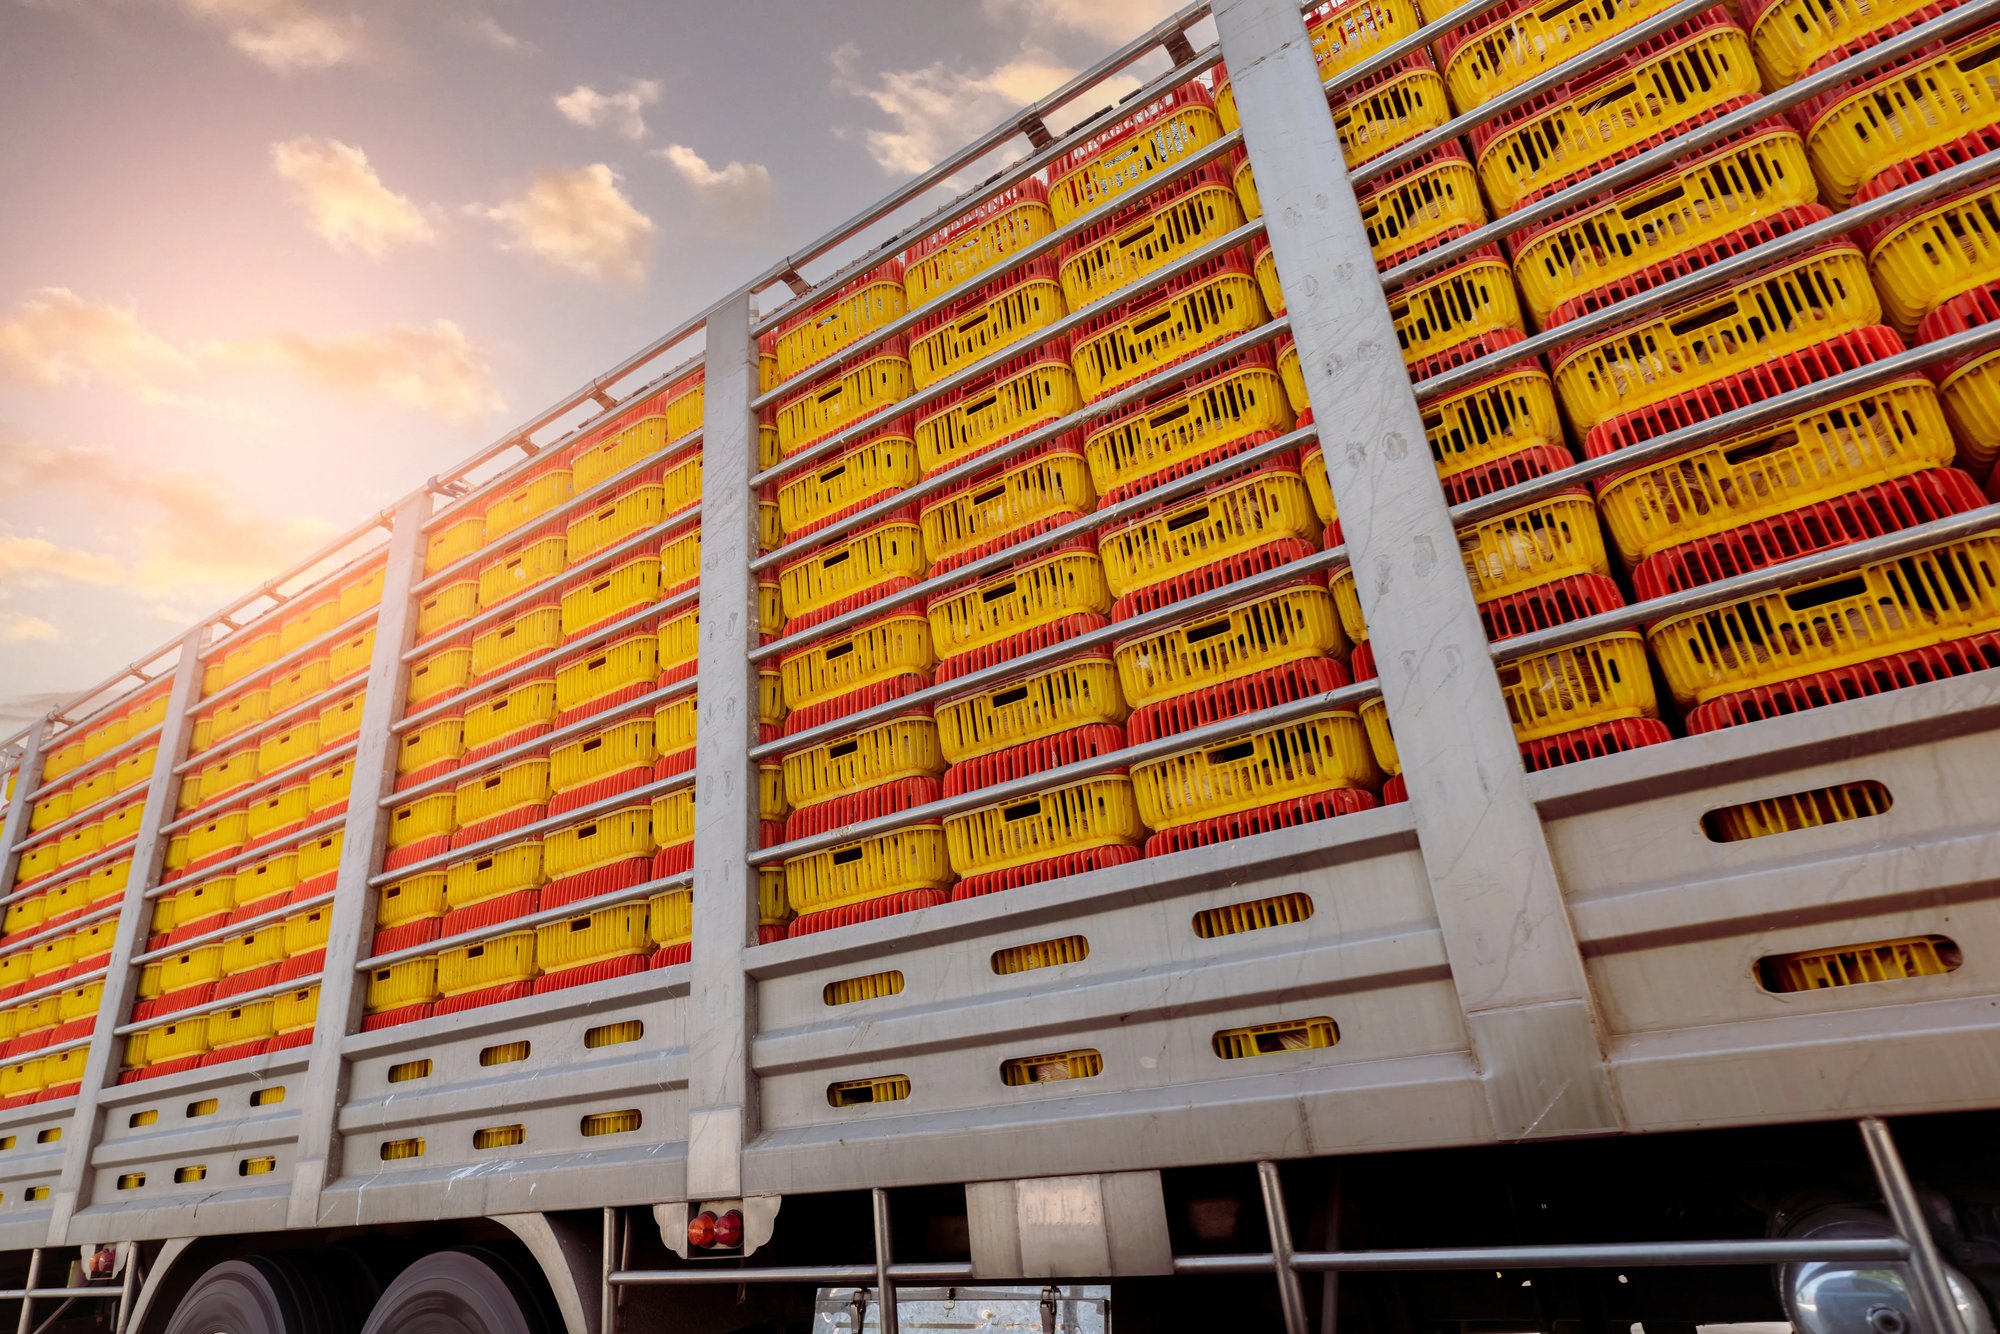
939, 107
434, 369
28, 630
621, 112
35, 562
581, 221
285, 35
741, 189
58, 338
488, 30
1110, 20
346, 200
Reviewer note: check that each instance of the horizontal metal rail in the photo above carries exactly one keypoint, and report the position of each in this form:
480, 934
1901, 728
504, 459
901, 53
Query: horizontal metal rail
1612, 1255
213, 1004
54, 989
616, 801
112, 756
537, 665
606, 489
950, 384
1712, 275
77, 819
822, 1275
313, 705
687, 516
22, 941
51, 1294
268, 917
70, 874
359, 620
1952, 23
536, 747
312, 831
528, 921
305, 768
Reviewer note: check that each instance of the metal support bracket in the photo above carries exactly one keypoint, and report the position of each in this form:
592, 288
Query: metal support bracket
1514, 958
721, 1101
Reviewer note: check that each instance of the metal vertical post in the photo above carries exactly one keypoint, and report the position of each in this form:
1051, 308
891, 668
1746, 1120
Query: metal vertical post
27, 1290
1507, 934
607, 1295
351, 926
1291, 1293
135, 917
1929, 1283
721, 1106
885, 1287
27, 777
128, 1288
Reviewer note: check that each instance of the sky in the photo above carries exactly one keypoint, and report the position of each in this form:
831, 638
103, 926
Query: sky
267, 264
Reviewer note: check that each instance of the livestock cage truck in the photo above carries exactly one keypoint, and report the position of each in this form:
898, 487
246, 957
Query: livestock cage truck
984, 789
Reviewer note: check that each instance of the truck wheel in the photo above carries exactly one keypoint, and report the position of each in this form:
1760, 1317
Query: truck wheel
266, 1294
468, 1291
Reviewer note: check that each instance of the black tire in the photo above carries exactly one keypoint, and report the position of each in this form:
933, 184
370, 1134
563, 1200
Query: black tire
475, 1290
272, 1294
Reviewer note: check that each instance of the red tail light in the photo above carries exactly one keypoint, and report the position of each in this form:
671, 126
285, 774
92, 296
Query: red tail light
702, 1229
729, 1229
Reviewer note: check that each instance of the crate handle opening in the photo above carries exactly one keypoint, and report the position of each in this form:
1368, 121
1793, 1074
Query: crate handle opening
1241, 750
840, 650
1716, 314
1168, 416
1024, 811
1640, 207
974, 409
988, 497
1181, 521
837, 558
836, 471
1146, 326
1009, 698
1833, 590
846, 855
1199, 633
998, 591
840, 750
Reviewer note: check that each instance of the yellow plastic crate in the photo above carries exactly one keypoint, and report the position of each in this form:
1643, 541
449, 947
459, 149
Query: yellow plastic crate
288, 805
1097, 812
49, 957
1506, 54
106, 883
1030, 299
1287, 624
1317, 754
680, 553
679, 642
36, 862
525, 502
49, 810
1131, 151
1154, 331
619, 591
1616, 112
239, 714
532, 633
190, 968
599, 841
896, 749
281, 750
219, 834
1903, 112
437, 674
1412, 207
631, 660
511, 712
1601, 680
1971, 396
513, 787
840, 320
299, 683
320, 856
415, 898
1941, 252
1806, 301
350, 657
853, 564
105, 736
454, 541
975, 242
670, 916
615, 520
1720, 191
1033, 390
636, 443
1462, 303
341, 720
1343, 34
134, 769
1268, 282
517, 571
62, 761
306, 932
898, 644
879, 466
616, 932
238, 661
490, 963
508, 870
267, 880
196, 903
411, 982
176, 1041
674, 723
1312, 466
1037, 490
91, 789
330, 786
878, 382
1268, 506
19, 1078
1860, 441
233, 771
1508, 413
360, 593
439, 741
1005, 604
253, 949
1938, 594
1532, 544
240, 1024
672, 816
442, 608
80, 1002
619, 747
433, 816
872, 868
1389, 111
295, 1011
1792, 36
24, 915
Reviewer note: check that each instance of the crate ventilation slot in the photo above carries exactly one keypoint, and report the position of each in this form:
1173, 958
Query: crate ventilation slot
1236, 918
1085, 1064
861, 1092
1854, 965
506, 1053
872, 987
612, 1123
395, 1149
1041, 954
499, 1137
1797, 810
612, 1035
403, 1072
1270, 1039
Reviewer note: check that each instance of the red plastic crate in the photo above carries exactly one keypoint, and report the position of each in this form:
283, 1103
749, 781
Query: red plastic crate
250, 979
173, 1001
1219, 574
849, 914
1692, 260
1471, 350
1958, 657
1262, 820
473, 1000
402, 1014
489, 912
1394, 178
1934, 493
1035, 873
1021, 536
598, 880
310, 964
1508, 470
1260, 690
830, 710
1027, 641
1797, 370
239, 1052
668, 956
410, 854
1361, 662
602, 970
610, 785
1591, 742
1545, 605
1034, 757
389, 939
871, 803
500, 824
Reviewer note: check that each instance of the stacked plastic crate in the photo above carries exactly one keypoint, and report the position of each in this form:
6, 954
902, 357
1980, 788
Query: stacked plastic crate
248, 872
75, 857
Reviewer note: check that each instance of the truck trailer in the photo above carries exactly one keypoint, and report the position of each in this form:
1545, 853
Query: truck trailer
969, 786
